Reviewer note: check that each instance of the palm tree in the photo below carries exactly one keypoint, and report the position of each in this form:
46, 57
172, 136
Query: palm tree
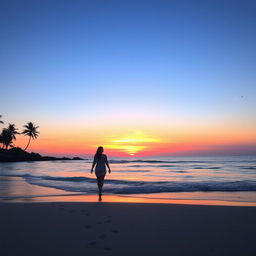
8, 135
1, 136
1, 139
12, 130
31, 131
6, 138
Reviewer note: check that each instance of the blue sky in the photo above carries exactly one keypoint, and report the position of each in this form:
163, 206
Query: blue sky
189, 60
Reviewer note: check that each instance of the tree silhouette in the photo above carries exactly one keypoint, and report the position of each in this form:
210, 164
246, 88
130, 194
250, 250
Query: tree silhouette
1, 139
12, 130
6, 138
8, 135
31, 131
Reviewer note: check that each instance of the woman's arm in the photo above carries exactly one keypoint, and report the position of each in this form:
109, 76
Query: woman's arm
106, 161
94, 162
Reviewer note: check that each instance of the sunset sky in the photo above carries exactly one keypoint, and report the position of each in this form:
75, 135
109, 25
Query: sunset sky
138, 77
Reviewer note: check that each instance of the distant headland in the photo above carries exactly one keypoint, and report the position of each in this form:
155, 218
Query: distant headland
10, 153
16, 154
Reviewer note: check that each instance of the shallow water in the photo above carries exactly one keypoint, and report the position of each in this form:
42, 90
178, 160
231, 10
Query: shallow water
132, 176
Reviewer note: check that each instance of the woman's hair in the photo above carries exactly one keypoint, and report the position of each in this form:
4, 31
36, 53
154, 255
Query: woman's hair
98, 153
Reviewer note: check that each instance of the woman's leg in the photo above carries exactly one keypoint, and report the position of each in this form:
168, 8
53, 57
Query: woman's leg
100, 182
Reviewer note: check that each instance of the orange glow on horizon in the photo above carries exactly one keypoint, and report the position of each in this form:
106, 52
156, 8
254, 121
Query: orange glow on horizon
124, 141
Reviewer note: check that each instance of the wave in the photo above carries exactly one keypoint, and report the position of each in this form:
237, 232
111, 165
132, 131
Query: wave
137, 170
155, 161
148, 165
127, 187
174, 166
85, 184
45, 177
248, 167
68, 179
123, 161
206, 167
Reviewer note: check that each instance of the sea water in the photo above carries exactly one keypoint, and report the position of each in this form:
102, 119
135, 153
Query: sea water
232, 178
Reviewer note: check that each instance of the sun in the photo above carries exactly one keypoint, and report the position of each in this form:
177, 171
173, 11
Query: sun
128, 149
132, 144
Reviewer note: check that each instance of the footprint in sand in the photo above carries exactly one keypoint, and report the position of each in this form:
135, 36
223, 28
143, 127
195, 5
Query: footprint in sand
88, 226
107, 221
84, 211
114, 231
102, 236
104, 221
107, 248
92, 243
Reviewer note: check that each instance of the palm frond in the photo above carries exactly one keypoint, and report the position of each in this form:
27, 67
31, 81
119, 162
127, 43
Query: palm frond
12, 130
30, 130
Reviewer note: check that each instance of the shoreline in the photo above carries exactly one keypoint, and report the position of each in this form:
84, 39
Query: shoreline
126, 199
16, 189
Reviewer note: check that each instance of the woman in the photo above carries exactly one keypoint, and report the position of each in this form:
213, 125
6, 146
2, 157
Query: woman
100, 160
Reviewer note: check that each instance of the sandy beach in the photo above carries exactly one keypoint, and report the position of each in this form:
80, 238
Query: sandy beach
127, 128
64, 228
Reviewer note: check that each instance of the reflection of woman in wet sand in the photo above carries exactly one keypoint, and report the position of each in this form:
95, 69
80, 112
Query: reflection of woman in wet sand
100, 160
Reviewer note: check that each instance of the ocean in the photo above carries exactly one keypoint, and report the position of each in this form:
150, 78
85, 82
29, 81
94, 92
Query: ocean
219, 178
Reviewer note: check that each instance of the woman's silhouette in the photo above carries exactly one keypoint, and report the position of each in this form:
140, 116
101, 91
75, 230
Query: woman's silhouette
100, 160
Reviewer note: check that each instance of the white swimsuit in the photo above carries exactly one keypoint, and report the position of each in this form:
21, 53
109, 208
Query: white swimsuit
100, 168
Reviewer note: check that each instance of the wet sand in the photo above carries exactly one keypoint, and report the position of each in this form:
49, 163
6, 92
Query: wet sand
64, 228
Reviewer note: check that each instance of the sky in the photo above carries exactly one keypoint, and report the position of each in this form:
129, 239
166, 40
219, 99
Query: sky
141, 78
